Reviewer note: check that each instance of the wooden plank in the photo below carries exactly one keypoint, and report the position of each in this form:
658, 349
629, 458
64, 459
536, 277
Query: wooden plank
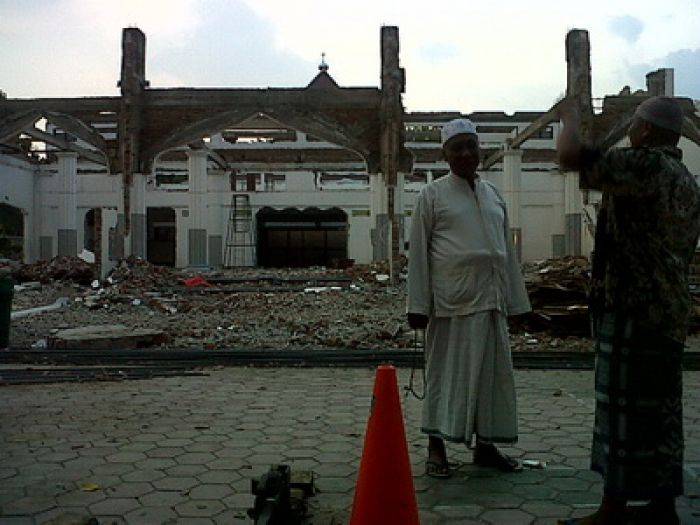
543, 121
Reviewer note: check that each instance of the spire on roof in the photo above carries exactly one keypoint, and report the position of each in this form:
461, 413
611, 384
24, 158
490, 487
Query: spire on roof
323, 66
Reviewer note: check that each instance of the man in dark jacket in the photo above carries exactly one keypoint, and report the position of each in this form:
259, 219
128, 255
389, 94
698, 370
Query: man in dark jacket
646, 235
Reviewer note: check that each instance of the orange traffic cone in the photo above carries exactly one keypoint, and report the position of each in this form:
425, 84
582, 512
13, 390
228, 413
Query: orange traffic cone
384, 494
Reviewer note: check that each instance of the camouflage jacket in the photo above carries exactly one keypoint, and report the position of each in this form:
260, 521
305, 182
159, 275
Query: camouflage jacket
646, 235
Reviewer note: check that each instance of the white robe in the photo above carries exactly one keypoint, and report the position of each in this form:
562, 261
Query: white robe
463, 273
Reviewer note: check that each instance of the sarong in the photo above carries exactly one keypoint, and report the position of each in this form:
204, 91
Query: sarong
638, 434
470, 388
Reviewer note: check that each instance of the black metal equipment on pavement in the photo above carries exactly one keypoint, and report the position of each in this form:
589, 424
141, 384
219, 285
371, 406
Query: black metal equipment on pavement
280, 496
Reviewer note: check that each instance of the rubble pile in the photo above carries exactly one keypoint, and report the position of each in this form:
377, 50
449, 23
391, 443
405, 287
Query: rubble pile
558, 291
133, 274
71, 269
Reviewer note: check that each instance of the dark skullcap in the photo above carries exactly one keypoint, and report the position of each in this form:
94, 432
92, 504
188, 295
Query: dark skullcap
663, 112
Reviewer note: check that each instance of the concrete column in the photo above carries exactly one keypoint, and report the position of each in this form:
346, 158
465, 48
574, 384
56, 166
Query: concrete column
660, 82
573, 212
67, 203
197, 232
429, 176
399, 208
28, 233
138, 232
512, 171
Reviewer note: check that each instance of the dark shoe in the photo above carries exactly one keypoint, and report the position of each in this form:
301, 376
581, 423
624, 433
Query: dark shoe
650, 515
436, 469
490, 456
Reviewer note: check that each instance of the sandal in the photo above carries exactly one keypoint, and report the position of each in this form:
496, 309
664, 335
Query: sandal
437, 469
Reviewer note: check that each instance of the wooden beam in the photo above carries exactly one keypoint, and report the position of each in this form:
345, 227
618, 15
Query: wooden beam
690, 131
59, 142
543, 121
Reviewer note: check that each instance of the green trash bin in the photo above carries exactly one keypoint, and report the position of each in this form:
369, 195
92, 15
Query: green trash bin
6, 292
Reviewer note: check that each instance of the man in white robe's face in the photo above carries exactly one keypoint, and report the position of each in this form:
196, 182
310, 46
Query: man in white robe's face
462, 154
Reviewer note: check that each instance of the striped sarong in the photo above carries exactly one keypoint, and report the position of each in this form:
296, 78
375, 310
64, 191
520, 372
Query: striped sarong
638, 435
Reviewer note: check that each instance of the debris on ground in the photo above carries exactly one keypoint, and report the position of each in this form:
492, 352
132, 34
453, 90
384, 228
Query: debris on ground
558, 291
98, 337
69, 269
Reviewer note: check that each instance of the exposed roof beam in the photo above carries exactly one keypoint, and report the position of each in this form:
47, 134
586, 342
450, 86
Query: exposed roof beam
218, 159
526, 134
77, 128
213, 155
15, 124
64, 144
690, 130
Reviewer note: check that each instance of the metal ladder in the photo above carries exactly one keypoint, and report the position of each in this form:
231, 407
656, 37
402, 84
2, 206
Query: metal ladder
240, 242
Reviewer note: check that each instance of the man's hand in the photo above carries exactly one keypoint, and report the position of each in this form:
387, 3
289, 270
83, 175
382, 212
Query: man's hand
417, 321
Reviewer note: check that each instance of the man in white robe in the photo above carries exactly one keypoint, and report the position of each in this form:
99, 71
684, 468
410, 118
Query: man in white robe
463, 281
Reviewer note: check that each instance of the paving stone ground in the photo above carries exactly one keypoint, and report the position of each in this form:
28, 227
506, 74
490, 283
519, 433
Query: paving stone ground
183, 450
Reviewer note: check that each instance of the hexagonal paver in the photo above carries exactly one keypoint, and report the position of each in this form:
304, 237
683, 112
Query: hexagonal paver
161, 498
186, 470
28, 505
327, 484
80, 498
114, 506
546, 509
211, 491
156, 463
143, 475
199, 508
336, 470
239, 501
195, 458
128, 489
165, 452
112, 469
507, 517
203, 447
219, 476
151, 515
125, 457
175, 483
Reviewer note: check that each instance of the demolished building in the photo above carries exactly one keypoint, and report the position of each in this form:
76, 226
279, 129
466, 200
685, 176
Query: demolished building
316, 176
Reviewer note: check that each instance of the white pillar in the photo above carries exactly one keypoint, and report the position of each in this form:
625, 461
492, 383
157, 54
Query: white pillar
399, 208
429, 176
198, 219
138, 232
379, 216
67, 203
573, 212
512, 172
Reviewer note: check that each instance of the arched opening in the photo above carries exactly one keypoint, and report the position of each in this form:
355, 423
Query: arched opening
161, 244
11, 232
301, 238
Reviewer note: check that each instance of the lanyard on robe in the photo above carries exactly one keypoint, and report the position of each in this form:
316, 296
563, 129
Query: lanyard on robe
417, 351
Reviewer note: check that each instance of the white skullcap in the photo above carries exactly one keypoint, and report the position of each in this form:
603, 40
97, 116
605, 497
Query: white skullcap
457, 127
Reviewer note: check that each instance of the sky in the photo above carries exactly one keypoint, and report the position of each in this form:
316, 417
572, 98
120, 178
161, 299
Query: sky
459, 56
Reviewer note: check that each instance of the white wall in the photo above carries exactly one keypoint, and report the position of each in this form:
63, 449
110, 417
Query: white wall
17, 180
